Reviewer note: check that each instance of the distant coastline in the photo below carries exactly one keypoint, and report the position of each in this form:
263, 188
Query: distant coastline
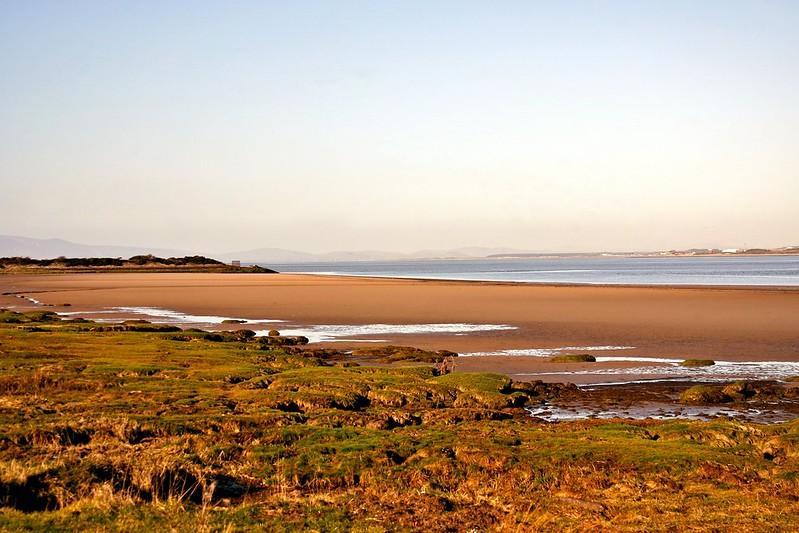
693, 252
756, 270
140, 263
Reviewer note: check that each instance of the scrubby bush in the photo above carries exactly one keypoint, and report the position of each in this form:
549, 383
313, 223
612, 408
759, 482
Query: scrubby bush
147, 260
12, 317
138, 260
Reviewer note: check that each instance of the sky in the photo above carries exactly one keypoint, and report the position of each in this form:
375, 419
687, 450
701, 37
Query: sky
401, 125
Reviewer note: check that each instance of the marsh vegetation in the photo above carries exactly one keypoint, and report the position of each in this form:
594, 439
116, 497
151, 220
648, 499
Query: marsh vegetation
131, 426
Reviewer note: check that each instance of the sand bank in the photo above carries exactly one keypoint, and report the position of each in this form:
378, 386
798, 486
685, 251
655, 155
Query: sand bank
722, 323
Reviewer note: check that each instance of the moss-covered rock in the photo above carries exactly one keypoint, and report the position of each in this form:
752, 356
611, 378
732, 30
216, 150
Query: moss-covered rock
739, 390
693, 363
403, 353
576, 358
704, 394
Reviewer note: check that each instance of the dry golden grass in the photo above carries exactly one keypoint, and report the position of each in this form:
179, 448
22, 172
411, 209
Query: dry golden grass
135, 430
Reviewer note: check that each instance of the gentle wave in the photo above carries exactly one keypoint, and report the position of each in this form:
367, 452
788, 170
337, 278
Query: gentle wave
314, 333
721, 371
548, 352
34, 301
336, 332
169, 316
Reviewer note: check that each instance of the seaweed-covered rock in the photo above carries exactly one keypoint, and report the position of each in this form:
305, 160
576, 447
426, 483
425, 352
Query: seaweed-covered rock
540, 389
244, 334
403, 353
576, 358
704, 394
267, 342
693, 363
739, 390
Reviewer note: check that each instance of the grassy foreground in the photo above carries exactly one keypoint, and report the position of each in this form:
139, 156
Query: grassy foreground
142, 427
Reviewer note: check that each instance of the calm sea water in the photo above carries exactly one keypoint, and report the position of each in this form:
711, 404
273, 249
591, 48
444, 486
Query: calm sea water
771, 270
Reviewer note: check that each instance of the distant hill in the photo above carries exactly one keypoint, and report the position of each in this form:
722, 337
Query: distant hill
11, 246
279, 255
137, 263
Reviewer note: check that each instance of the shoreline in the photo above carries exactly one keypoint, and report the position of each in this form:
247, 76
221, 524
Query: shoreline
720, 323
552, 283
489, 282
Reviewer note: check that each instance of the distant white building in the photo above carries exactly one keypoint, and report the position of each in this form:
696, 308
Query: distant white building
730, 250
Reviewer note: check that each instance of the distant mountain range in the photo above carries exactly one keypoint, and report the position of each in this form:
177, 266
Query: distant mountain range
49, 248
13, 246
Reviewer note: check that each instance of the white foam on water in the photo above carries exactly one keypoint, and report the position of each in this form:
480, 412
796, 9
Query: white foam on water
315, 333
169, 316
670, 369
548, 352
606, 359
75, 313
660, 368
554, 413
340, 332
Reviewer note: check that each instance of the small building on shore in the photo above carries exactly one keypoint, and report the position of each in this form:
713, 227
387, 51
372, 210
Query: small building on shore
235, 264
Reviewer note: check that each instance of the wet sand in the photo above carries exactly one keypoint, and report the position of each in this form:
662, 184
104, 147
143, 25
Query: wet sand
719, 323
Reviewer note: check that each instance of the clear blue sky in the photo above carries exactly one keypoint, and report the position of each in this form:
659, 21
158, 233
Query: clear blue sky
401, 125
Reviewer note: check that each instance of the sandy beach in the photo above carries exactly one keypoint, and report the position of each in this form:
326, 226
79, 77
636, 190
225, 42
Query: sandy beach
723, 323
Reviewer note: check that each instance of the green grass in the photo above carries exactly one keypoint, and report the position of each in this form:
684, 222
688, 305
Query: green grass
137, 430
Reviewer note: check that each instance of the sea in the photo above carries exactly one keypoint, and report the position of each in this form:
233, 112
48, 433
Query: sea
713, 271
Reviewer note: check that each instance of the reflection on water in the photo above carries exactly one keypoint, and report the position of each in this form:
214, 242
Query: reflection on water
763, 270
659, 411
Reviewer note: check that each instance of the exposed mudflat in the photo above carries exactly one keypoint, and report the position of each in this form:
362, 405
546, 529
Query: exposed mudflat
774, 402
731, 324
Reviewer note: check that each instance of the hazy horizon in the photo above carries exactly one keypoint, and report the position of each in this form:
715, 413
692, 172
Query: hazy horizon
109, 249
576, 126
